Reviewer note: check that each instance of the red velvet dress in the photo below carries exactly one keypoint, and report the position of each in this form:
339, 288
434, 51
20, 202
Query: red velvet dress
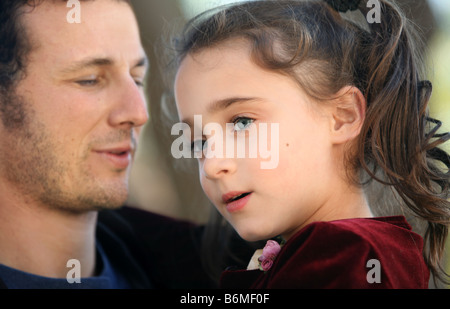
335, 255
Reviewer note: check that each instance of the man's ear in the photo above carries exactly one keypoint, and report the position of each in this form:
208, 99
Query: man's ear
348, 114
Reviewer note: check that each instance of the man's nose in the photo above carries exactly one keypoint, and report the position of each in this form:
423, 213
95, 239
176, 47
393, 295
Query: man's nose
130, 108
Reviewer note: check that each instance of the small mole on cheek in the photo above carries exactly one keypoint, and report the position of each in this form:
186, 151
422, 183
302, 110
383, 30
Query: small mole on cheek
287, 145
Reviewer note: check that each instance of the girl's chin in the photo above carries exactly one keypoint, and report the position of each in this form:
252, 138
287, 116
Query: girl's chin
253, 226
252, 236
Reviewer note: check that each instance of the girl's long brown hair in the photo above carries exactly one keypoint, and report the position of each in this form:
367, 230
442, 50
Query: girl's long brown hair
324, 51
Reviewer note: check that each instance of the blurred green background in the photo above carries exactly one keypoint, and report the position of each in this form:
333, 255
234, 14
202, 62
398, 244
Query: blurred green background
439, 61
163, 185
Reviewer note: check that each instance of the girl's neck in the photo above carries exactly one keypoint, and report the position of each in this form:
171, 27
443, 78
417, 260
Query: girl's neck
345, 202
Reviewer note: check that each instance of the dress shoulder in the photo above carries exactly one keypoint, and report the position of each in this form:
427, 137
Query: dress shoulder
343, 253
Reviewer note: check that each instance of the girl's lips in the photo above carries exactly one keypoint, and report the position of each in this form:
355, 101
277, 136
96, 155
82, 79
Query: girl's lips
230, 196
234, 202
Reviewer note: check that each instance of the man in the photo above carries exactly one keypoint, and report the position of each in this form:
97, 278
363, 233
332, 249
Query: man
71, 107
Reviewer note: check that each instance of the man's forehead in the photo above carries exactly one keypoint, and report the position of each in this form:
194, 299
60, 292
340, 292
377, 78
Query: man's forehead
108, 28
61, 9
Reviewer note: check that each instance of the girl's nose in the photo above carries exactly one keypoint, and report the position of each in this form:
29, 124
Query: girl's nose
215, 168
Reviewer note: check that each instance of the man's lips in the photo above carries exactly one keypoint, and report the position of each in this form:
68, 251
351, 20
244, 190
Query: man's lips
119, 156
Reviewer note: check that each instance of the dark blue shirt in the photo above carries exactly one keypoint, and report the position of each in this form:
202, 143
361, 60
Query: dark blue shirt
108, 278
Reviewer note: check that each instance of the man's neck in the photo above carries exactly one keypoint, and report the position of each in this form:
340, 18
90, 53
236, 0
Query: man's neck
40, 240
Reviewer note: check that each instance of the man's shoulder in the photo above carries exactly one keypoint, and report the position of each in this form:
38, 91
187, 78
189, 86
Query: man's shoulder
129, 218
167, 249
147, 227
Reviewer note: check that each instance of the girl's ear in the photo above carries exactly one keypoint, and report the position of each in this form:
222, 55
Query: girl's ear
348, 114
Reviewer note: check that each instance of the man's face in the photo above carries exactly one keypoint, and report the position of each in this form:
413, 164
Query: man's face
84, 104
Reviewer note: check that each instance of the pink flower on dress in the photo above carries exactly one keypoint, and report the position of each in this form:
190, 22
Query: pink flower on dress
269, 254
266, 264
272, 248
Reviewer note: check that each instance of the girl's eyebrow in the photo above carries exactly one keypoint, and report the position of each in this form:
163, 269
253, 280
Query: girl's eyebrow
225, 103
222, 104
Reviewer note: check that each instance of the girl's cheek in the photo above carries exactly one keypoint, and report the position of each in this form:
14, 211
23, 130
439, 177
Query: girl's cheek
206, 187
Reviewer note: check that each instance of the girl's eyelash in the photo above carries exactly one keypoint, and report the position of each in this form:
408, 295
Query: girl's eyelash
236, 121
194, 145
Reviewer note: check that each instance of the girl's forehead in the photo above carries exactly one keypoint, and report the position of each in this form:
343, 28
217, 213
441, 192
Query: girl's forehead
226, 70
230, 51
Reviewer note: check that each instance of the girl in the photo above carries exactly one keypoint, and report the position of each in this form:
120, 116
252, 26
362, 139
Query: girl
350, 106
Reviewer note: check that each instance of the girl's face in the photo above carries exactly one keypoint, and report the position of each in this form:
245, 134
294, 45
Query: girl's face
224, 86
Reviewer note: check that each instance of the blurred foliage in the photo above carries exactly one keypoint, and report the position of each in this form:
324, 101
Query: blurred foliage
439, 64
439, 60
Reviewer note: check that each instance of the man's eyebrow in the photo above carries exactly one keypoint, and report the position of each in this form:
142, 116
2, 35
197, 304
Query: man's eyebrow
142, 62
88, 63
100, 62
222, 104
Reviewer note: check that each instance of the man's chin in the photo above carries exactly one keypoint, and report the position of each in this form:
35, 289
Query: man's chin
98, 200
86, 208
113, 201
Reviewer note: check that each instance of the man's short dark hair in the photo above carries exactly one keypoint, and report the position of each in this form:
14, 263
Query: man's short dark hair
14, 46
14, 43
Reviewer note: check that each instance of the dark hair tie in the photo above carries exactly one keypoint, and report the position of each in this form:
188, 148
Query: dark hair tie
344, 5
425, 84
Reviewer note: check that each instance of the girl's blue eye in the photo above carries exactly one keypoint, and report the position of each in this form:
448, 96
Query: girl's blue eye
198, 146
242, 123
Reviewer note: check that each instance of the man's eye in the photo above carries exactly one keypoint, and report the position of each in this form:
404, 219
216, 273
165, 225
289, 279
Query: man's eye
139, 82
242, 123
88, 82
